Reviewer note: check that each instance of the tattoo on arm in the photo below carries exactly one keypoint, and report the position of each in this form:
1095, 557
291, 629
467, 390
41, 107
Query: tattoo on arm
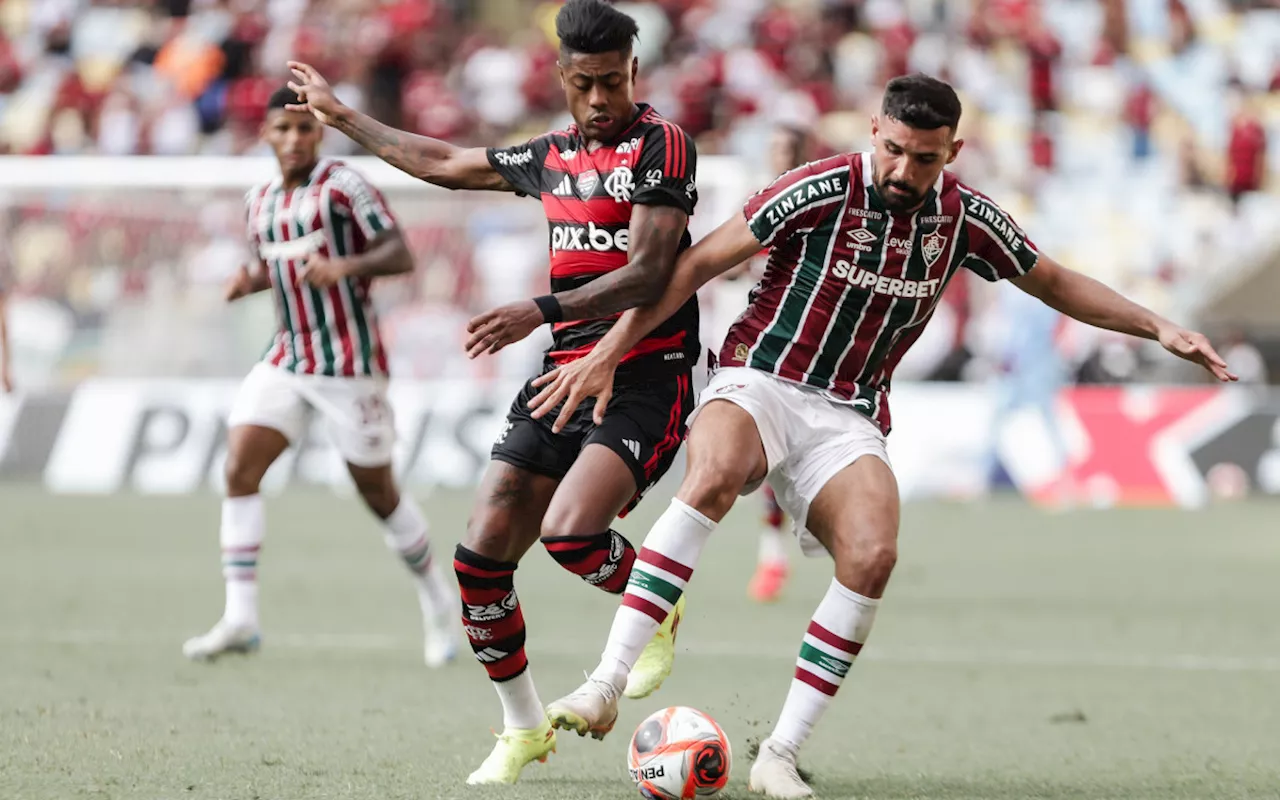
424, 158
655, 238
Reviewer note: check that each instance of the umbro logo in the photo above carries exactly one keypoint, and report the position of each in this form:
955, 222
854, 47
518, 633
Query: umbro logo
633, 446
565, 189
862, 236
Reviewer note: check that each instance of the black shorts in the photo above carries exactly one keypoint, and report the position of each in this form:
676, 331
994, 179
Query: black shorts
644, 425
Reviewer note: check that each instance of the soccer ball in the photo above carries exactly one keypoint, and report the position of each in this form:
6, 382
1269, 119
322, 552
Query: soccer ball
679, 753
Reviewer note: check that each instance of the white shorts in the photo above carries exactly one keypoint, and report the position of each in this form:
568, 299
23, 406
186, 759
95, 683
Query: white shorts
358, 417
807, 438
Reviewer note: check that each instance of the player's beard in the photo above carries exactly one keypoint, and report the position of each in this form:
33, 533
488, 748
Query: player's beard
899, 202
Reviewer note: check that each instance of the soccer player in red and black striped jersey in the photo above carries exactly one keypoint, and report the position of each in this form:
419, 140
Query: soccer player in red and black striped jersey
617, 188
861, 246
319, 235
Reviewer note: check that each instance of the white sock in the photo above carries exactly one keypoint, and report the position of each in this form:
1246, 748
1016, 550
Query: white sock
835, 636
405, 532
663, 567
521, 707
243, 525
773, 546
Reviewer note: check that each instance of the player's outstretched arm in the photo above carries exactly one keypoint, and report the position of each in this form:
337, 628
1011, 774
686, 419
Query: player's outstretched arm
1081, 297
386, 255
592, 376
655, 233
427, 159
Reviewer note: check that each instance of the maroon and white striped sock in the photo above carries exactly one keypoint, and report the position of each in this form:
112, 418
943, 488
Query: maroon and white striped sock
240, 535
658, 577
836, 634
405, 532
600, 559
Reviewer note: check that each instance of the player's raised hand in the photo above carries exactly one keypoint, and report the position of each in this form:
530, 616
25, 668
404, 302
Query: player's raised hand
1195, 347
316, 93
239, 285
571, 384
494, 330
322, 272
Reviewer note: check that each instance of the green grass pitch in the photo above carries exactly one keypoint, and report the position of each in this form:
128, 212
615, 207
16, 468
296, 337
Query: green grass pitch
1122, 654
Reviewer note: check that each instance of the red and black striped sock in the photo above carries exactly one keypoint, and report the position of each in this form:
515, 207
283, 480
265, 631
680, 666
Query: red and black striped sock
491, 613
600, 559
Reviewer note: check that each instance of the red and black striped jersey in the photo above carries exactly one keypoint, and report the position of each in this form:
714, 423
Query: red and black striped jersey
850, 284
587, 195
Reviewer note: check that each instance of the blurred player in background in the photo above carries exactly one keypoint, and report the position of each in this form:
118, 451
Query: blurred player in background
617, 188
6, 370
319, 234
789, 147
861, 247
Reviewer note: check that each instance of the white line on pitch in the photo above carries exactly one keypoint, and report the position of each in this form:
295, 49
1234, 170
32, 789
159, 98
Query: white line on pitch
1180, 662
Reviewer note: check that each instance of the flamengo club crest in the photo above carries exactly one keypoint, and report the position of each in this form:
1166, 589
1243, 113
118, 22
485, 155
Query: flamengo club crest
931, 246
587, 183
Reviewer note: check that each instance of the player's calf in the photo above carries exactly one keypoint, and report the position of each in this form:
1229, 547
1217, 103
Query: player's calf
855, 516
601, 559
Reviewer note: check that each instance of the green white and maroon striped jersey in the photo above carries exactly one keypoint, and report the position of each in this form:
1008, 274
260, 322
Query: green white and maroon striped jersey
849, 284
335, 213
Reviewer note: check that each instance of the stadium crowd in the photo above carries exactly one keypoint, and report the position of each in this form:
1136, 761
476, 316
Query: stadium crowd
1135, 139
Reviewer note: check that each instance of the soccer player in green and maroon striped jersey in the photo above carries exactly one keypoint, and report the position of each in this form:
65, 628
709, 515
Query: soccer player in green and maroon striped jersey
319, 235
861, 246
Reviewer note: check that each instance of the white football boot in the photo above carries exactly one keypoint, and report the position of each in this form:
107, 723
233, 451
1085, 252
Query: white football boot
774, 773
591, 708
221, 639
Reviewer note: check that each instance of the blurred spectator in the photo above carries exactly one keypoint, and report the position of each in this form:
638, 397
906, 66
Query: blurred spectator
1246, 152
1139, 114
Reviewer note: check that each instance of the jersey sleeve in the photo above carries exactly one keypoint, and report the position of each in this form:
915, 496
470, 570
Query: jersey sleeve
666, 169
998, 248
251, 237
522, 165
798, 200
360, 201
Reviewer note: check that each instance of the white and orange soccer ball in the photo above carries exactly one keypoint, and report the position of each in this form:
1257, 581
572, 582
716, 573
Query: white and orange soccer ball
679, 753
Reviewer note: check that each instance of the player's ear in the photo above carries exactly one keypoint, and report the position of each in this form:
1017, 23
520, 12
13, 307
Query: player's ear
635, 68
875, 127
560, 72
956, 147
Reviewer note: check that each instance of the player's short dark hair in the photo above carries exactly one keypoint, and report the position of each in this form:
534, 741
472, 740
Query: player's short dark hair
922, 102
284, 96
594, 26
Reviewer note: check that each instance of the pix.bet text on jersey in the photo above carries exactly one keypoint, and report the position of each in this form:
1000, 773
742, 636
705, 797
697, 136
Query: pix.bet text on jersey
334, 213
849, 284
587, 197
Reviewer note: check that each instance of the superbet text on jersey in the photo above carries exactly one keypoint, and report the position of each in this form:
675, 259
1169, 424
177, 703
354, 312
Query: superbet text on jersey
588, 196
849, 284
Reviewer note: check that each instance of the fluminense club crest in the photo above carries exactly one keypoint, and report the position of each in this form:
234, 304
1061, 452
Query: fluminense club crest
931, 246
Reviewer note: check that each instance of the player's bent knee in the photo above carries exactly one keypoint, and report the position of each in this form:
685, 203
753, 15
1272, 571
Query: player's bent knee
866, 567
568, 522
712, 489
243, 475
